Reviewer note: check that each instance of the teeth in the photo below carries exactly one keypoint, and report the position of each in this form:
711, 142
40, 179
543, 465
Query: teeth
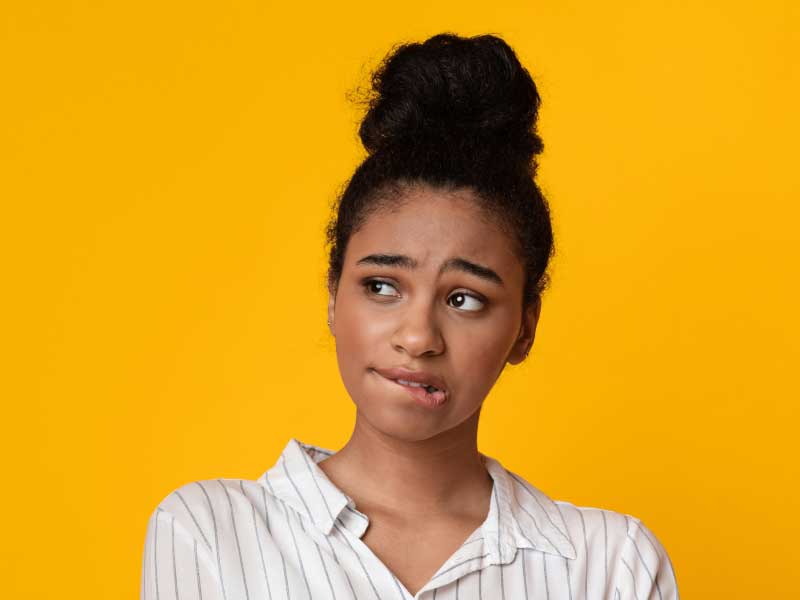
411, 383
428, 388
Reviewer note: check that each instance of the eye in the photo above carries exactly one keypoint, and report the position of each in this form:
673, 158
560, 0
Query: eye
462, 299
376, 286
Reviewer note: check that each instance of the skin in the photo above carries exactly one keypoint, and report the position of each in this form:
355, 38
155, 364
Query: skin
417, 472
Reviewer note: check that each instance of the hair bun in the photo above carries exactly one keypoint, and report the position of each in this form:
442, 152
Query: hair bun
449, 90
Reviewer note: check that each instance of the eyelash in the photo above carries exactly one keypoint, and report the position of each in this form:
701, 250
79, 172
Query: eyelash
367, 282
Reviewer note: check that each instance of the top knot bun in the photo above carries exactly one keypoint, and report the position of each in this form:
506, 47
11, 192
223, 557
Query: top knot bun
453, 90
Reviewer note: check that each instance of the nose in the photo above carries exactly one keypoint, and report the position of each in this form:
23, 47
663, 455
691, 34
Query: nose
418, 332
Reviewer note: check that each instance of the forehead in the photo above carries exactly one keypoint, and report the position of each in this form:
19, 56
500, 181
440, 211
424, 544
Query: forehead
433, 225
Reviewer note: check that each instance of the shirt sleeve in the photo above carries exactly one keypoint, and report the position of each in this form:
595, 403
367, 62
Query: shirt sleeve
644, 571
176, 564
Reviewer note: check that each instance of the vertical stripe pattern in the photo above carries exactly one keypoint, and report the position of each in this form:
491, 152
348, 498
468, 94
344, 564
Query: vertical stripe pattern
293, 535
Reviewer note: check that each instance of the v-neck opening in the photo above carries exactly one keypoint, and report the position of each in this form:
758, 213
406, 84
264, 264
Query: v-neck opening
407, 595
476, 538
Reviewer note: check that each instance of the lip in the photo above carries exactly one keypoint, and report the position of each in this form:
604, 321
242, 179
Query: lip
415, 376
423, 398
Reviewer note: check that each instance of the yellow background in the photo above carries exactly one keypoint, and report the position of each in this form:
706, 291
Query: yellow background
167, 169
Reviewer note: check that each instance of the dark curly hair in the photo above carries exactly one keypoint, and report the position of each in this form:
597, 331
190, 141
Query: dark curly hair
451, 112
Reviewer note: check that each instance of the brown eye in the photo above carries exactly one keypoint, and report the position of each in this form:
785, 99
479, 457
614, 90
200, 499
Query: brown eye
377, 287
462, 299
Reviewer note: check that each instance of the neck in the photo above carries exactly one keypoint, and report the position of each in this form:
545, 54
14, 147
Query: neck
443, 475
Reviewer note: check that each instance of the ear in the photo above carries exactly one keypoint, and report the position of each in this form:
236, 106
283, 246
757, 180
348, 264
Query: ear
331, 308
527, 333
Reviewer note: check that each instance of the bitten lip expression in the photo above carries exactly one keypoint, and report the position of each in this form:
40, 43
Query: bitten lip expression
427, 379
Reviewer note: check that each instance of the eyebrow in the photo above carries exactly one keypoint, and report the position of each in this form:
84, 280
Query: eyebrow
452, 264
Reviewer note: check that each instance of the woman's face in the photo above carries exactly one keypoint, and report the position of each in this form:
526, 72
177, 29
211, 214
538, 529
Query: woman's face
397, 307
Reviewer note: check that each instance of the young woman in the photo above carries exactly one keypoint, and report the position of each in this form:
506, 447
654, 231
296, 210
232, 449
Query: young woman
438, 253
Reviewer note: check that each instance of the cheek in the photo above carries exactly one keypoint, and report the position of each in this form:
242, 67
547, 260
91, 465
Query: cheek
358, 339
480, 358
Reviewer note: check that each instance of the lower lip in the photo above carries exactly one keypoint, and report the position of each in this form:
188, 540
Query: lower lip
419, 394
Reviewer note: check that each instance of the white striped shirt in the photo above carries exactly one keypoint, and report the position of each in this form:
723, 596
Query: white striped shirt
293, 535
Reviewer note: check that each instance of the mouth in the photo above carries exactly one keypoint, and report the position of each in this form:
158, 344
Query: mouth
426, 394
428, 388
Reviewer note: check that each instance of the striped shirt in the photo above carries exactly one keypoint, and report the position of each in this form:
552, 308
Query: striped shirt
293, 535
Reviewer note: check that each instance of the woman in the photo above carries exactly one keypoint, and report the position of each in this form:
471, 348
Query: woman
438, 253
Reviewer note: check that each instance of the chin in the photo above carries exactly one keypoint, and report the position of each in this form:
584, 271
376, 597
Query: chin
399, 423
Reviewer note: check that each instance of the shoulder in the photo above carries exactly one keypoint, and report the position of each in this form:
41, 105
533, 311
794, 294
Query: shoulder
592, 524
615, 530
207, 509
632, 552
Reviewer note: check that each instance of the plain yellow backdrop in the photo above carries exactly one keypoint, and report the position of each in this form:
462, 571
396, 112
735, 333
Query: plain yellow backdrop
166, 175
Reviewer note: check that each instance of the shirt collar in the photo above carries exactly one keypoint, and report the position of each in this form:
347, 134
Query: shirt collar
524, 517
520, 515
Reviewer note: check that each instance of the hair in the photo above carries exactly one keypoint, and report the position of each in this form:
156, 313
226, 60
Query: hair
451, 113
